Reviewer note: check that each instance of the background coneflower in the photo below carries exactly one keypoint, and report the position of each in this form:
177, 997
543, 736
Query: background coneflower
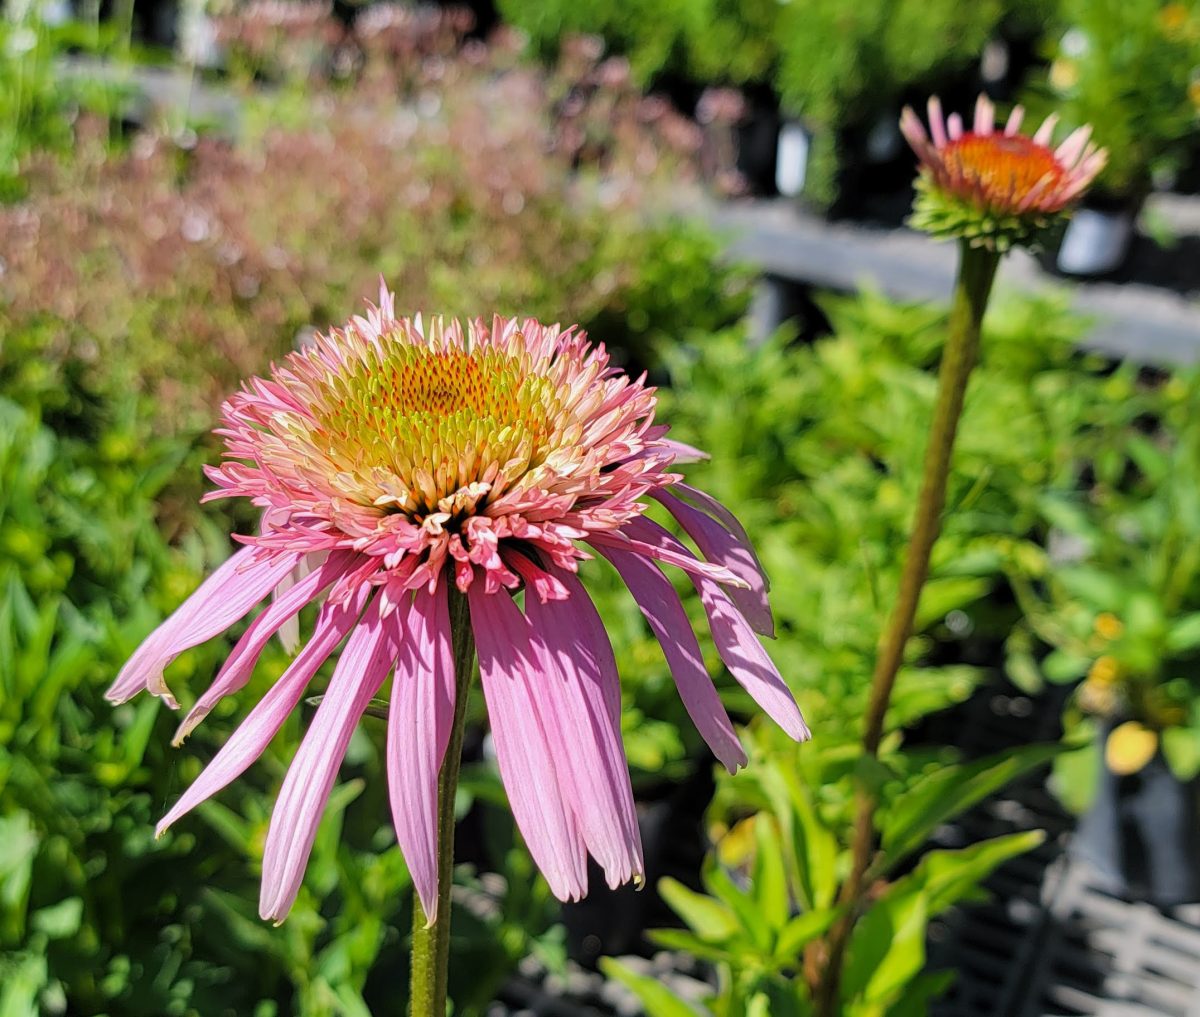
996, 188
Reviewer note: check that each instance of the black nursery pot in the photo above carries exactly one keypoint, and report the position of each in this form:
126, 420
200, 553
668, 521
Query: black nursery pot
1142, 835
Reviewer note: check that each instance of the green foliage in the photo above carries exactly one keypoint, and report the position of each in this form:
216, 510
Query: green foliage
38, 102
1121, 607
754, 922
819, 447
1128, 68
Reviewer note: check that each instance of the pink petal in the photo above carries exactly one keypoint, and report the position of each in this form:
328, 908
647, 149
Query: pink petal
577, 687
937, 123
914, 131
253, 735
658, 601
642, 540
743, 654
289, 631
419, 721
1014, 120
297, 813
718, 545
748, 662
589, 628
224, 597
510, 676
715, 509
1046, 131
683, 452
1070, 150
239, 666
985, 116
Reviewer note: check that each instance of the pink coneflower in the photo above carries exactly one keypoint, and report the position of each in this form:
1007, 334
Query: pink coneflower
395, 459
1001, 179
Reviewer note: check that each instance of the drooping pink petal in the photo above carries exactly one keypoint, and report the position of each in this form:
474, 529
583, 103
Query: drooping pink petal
705, 501
658, 601
747, 661
289, 631
718, 545
223, 598
740, 649
360, 671
419, 720
253, 735
574, 704
239, 666
632, 538
509, 676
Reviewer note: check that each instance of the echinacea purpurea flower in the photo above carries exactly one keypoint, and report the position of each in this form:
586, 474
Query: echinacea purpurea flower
399, 463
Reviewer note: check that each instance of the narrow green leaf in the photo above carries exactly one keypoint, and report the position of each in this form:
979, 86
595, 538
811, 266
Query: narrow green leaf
707, 917
948, 791
768, 881
654, 996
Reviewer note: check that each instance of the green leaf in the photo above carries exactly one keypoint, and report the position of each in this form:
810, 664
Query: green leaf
946, 876
887, 947
654, 996
949, 790
920, 992
719, 882
1181, 747
801, 931
1184, 634
768, 881
681, 939
61, 920
708, 918
1076, 773
1061, 666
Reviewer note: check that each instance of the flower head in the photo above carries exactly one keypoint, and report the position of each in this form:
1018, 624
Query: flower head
996, 188
395, 460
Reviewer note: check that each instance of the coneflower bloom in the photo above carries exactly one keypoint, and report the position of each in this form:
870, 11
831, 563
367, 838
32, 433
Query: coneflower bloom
392, 459
996, 187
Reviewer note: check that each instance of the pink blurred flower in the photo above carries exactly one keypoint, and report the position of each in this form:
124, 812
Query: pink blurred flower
1003, 173
394, 457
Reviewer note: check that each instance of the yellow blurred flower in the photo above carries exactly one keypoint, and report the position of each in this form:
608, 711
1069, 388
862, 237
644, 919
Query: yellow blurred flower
1064, 74
1173, 20
1108, 625
1194, 92
1129, 748
1104, 671
736, 848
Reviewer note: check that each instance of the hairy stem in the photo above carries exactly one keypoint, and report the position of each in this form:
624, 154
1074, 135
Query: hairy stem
976, 271
431, 944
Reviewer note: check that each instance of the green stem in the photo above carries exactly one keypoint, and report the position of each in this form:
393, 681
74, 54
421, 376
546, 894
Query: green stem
976, 271
431, 943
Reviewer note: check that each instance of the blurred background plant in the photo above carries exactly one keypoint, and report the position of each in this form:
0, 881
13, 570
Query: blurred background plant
1133, 71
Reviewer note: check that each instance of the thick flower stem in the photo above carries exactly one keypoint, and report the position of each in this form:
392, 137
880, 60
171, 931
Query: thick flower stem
977, 270
431, 943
